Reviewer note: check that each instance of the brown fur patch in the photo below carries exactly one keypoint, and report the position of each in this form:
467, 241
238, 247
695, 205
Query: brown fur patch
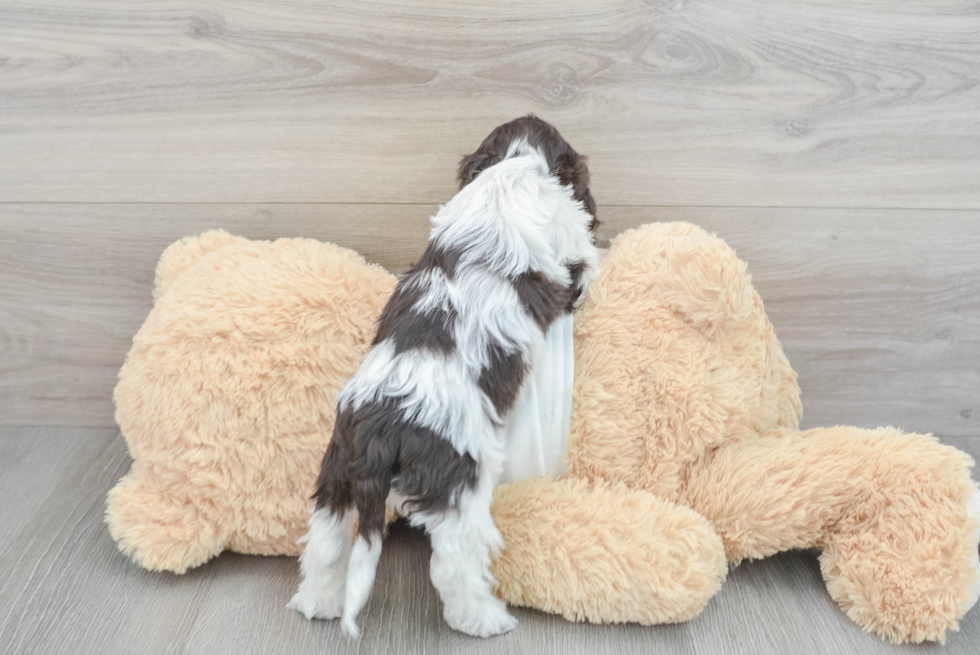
436, 257
543, 299
409, 328
575, 270
501, 379
374, 449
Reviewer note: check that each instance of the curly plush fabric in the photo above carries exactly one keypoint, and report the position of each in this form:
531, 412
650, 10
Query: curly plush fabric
675, 357
683, 390
604, 553
683, 451
226, 398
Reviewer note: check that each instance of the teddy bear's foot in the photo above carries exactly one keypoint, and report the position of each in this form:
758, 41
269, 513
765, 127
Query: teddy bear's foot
912, 575
159, 529
890, 510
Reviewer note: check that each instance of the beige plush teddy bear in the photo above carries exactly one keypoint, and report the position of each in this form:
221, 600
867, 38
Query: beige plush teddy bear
683, 452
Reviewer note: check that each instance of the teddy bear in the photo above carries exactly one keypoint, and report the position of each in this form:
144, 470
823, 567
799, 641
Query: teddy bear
683, 452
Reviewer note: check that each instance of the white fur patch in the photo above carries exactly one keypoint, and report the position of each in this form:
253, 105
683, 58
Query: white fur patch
463, 543
525, 221
323, 565
363, 566
537, 427
434, 391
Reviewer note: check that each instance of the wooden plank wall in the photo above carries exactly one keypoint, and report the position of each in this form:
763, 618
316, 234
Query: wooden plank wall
834, 144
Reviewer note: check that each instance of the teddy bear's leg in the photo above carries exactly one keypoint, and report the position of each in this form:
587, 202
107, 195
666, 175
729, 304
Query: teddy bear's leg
906, 577
158, 529
604, 553
891, 511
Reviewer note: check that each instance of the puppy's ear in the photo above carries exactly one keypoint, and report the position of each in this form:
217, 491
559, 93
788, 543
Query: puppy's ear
574, 172
589, 202
472, 165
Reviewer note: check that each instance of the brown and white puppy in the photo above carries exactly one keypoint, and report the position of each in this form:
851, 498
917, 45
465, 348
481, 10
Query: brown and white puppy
421, 423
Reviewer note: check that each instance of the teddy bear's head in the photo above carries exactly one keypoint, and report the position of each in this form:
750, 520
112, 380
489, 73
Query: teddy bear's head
226, 398
674, 356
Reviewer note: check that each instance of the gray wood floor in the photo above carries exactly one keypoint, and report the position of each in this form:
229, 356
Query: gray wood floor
64, 588
833, 143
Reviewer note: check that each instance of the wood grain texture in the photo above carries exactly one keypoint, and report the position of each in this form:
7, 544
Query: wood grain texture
878, 310
65, 589
678, 102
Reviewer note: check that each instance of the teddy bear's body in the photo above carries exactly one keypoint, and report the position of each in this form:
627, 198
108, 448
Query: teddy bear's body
683, 449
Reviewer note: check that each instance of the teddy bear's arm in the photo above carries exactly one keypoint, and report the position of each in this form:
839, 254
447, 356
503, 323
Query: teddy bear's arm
604, 553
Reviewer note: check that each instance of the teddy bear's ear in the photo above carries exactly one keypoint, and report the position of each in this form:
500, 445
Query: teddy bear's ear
181, 255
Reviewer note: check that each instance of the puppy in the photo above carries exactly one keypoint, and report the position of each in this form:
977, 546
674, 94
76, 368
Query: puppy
421, 422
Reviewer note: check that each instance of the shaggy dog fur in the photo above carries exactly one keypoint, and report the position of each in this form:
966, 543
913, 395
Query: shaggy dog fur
422, 420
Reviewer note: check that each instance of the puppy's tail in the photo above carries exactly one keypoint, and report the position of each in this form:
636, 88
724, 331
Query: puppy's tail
369, 477
370, 500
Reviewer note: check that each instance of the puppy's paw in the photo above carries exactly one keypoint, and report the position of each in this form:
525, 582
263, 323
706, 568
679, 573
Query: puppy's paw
485, 620
315, 605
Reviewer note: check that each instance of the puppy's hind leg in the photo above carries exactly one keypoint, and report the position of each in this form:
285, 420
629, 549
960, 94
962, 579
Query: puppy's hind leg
464, 538
323, 564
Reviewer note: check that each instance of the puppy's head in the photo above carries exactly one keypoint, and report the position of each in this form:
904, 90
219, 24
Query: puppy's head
563, 161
